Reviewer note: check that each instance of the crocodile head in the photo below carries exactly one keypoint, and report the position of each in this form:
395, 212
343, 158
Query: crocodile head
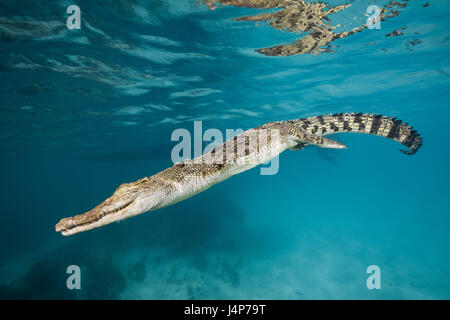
128, 200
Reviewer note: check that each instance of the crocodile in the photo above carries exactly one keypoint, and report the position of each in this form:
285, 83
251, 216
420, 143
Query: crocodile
240, 153
301, 17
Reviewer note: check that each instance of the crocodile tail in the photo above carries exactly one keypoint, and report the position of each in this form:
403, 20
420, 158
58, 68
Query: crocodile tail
373, 124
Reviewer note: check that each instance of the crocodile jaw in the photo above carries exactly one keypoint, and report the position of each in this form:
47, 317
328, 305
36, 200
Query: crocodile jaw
128, 200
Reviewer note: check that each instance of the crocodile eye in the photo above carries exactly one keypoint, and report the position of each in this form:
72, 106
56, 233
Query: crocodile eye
142, 180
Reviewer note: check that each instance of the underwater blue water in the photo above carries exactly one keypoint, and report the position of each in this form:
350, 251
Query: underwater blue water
83, 111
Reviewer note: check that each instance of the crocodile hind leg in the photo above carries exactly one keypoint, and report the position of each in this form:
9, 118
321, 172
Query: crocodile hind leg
300, 139
298, 146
